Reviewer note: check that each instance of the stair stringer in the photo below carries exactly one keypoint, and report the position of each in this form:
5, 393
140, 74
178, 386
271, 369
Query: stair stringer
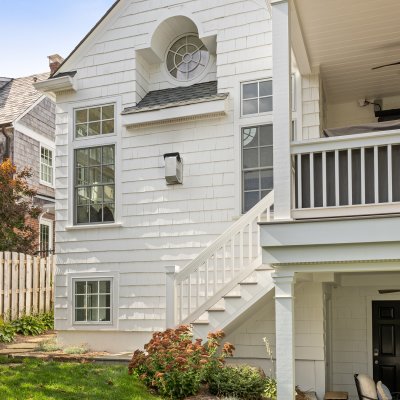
235, 307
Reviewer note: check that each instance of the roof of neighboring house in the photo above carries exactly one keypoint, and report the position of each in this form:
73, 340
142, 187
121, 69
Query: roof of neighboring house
17, 96
177, 96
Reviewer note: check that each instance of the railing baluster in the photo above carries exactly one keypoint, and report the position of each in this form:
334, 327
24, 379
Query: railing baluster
180, 289
241, 249
311, 180
390, 178
206, 274
190, 294
223, 262
350, 176
232, 255
362, 175
324, 179
197, 287
376, 175
215, 275
337, 182
299, 183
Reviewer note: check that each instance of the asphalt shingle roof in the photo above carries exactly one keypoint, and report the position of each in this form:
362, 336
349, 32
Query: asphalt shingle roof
17, 96
172, 97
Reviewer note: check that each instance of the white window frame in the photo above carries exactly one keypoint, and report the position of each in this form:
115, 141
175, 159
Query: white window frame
258, 81
100, 135
93, 279
41, 181
76, 223
49, 223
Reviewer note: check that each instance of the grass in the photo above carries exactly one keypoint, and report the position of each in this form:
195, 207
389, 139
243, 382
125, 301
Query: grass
38, 380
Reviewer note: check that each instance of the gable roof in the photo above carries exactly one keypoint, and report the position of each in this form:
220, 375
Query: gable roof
177, 96
17, 96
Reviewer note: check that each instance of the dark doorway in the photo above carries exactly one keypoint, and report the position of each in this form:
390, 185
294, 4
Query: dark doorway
386, 343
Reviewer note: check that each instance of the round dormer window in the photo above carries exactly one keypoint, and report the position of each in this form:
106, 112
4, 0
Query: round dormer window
187, 58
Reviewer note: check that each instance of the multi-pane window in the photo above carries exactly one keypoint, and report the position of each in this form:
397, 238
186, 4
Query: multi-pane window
257, 164
257, 97
92, 300
94, 121
45, 239
95, 184
46, 165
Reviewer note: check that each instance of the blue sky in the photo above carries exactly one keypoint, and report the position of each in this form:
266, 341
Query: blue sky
33, 29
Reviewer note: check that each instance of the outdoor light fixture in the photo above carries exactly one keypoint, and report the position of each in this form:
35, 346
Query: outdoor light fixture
173, 168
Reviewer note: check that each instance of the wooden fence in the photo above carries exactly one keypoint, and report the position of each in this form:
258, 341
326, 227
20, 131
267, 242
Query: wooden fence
26, 284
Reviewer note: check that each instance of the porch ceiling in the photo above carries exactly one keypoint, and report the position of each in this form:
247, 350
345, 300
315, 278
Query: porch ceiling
346, 39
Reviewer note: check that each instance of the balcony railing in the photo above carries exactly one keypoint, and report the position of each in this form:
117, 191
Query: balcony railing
347, 175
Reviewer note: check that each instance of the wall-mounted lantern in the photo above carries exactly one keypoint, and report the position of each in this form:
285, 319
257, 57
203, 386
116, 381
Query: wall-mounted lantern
173, 168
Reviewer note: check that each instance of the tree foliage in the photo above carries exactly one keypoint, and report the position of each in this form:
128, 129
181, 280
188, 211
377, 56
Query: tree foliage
16, 208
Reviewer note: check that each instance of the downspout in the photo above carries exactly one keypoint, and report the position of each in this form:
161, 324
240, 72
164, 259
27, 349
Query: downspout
8, 141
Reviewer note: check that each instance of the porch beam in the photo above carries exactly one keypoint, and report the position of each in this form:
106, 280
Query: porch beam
281, 65
285, 348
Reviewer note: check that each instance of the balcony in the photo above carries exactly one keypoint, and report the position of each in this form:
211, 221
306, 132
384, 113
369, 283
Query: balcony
348, 175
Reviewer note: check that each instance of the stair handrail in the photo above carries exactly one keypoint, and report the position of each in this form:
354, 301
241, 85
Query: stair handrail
265, 204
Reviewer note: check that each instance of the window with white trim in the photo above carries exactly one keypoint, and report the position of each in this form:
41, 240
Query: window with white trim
45, 237
46, 165
257, 164
95, 184
94, 121
257, 97
92, 300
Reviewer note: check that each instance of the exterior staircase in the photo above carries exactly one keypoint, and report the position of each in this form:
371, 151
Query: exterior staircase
225, 280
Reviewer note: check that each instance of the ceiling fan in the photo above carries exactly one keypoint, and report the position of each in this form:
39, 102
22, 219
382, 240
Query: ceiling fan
388, 291
386, 65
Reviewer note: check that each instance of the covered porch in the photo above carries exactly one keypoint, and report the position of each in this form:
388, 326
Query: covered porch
344, 117
357, 262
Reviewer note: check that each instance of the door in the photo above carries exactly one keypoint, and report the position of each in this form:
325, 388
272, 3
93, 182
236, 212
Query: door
386, 343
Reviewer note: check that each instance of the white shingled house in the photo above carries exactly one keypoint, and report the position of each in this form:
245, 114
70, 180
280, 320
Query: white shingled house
235, 165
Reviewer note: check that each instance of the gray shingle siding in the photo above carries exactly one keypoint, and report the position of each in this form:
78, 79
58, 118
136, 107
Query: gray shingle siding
41, 119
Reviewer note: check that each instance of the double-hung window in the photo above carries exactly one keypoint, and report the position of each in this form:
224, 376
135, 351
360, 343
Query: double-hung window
257, 164
46, 166
257, 97
95, 184
92, 300
94, 165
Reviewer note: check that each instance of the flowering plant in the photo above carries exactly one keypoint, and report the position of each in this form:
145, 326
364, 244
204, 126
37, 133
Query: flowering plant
175, 365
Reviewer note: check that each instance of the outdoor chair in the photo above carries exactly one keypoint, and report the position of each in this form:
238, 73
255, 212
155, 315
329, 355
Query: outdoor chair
367, 389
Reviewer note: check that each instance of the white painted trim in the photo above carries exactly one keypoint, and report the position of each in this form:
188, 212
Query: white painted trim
101, 140
347, 211
49, 223
93, 226
34, 135
114, 277
298, 44
174, 113
55, 85
368, 139
42, 182
369, 300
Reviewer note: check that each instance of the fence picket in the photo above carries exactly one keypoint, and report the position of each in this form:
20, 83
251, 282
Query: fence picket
42, 283
49, 261
28, 293
35, 286
7, 277
22, 286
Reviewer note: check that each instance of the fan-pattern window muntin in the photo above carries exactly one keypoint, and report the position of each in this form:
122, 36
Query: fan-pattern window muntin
257, 164
92, 301
257, 97
94, 121
187, 58
95, 184
46, 165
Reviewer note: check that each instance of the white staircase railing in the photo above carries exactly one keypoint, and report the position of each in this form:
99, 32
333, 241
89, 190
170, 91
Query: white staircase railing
230, 258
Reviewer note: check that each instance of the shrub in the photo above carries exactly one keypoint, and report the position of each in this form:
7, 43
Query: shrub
174, 364
242, 381
29, 325
7, 332
270, 388
48, 320
48, 346
82, 349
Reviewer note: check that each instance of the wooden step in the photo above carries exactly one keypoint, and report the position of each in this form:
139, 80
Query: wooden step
200, 322
216, 309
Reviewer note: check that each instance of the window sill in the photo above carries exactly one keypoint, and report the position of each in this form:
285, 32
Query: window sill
93, 226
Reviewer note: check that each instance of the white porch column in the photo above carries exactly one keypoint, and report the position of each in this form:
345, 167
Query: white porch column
170, 294
282, 99
284, 320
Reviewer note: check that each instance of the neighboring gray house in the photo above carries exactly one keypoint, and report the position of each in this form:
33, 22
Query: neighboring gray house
27, 126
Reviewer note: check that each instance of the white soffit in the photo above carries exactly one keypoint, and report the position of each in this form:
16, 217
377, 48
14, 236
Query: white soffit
346, 39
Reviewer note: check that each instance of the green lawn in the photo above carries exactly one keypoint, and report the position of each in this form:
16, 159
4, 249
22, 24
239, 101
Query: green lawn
36, 380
